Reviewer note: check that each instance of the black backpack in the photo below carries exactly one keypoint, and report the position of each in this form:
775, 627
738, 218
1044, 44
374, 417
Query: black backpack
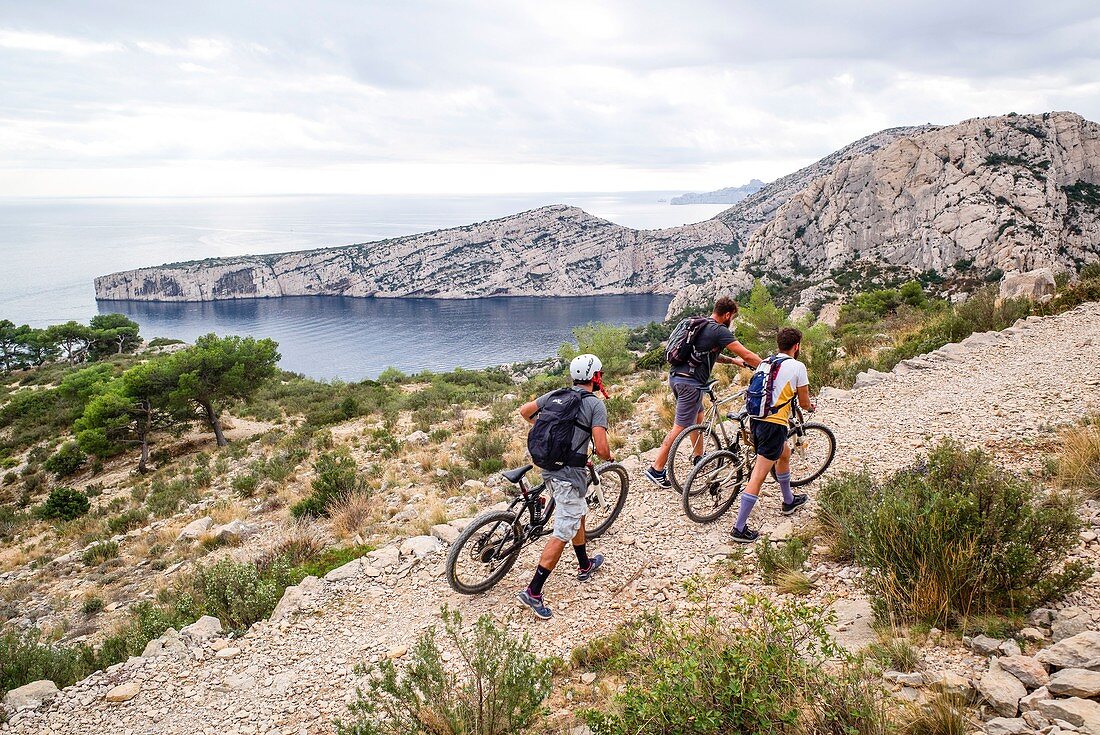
680, 349
550, 440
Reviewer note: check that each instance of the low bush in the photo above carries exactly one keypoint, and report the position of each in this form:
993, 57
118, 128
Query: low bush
127, 520
24, 658
245, 485
100, 552
336, 477
953, 536
166, 498
495, 686
895, 654
65, 504
776, 559
66, 460
92, 606
606, 342
237, 593
757, 669
485, 451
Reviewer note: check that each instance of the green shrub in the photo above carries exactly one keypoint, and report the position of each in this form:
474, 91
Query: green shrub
166, 498
92, 606
495, 687
775, 559
485, 451
66, 460
895, 654
391, 375
336, 477
23, 659
100, 552
606, 342
65, 504
382, 442
245, 485
237, 594
953, 536
757, 669
127, 520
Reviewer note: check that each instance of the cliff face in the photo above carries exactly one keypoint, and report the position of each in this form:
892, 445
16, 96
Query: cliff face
554, 250
1012, 193
551, 251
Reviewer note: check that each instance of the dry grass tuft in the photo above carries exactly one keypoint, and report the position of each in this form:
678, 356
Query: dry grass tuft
793, 582
945, 714
226, 510
354, 515
1079, 463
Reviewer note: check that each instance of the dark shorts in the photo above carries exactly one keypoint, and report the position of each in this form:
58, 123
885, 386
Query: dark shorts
769, 439
689, 400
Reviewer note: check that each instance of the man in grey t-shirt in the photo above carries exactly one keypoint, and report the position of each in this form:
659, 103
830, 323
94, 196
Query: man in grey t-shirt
569, 485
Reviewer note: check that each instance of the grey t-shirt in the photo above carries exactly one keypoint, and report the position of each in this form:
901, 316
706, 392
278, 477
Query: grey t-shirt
592, 413
712, 339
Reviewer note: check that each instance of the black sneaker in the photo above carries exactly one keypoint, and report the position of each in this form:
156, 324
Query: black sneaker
658, 478
797, 502
746, 536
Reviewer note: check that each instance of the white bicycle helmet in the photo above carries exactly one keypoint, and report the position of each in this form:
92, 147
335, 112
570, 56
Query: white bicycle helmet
585, 367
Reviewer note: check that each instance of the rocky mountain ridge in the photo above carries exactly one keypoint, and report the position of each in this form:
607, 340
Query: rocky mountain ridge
998, 194
727, 195
556, 250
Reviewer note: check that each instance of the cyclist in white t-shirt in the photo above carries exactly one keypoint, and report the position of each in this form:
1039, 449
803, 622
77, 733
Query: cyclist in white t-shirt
770, 433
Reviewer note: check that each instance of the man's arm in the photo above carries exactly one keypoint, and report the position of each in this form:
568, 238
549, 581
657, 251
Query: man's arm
599, 443
528, 411
804, 399
748, 357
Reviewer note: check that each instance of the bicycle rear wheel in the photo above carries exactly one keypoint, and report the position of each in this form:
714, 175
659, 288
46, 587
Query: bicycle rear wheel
713, 485
484, 552
695, 440
812, 452
605, 500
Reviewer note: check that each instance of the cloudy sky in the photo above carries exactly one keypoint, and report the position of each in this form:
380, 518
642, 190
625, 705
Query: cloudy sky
230, 97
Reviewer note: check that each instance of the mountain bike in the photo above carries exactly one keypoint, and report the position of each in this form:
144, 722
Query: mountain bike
718, 478
488, 547
699, 439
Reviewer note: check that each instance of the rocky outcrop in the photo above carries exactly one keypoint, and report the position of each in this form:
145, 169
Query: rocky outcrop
1009, 193
551, 251
728, 195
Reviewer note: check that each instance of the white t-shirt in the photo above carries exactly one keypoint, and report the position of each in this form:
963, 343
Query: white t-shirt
792, 376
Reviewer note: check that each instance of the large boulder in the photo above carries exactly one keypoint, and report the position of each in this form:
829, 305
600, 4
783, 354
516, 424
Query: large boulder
123, 692
1083, 714
31, 695
1081, 651
195, 529
853, 629
420, 546
203, 629
1032, 284
347, 571
1030, 672
1001, 690
235, 532
1075, 683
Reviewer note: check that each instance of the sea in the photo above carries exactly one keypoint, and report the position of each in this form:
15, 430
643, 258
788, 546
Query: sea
51, 249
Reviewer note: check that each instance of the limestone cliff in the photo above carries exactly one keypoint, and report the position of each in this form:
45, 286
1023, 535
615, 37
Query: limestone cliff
1008, 193
551, 251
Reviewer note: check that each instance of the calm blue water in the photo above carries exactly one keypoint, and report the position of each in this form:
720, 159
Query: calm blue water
50, 250
349, 338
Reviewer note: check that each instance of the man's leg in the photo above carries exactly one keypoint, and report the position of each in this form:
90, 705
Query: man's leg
791, 501
751, 492
697, 437
666, 447
689, 410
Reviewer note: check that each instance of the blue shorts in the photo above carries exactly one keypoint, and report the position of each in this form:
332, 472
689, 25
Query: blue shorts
769, 439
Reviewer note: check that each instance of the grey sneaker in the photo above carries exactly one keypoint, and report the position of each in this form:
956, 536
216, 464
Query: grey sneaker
536, 604
658, 478
593, 564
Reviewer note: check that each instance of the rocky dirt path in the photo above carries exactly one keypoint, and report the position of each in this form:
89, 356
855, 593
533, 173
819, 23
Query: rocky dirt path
296, 676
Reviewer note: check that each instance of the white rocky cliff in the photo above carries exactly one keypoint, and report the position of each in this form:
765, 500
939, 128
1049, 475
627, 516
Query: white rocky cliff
1009, 193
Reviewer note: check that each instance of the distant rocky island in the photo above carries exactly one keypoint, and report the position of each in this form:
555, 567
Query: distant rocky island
729, 195
988, 196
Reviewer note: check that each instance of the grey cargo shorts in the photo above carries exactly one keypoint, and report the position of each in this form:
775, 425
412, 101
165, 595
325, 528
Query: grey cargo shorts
570, 508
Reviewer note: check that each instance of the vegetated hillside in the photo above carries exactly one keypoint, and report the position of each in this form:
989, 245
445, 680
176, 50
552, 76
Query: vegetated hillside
986, 196
550, 251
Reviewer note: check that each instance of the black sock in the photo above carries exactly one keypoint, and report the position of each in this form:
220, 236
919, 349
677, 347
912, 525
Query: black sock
535, 588
582, 556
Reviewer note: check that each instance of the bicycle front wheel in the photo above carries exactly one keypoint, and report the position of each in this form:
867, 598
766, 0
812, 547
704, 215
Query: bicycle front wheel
484, 552
605, 499
713, 485
694, 441
812, 452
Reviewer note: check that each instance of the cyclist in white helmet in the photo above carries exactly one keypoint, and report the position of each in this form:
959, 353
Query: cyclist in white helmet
567, 479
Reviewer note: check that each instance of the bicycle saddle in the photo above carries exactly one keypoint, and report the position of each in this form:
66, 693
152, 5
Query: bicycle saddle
742, 414
517, 474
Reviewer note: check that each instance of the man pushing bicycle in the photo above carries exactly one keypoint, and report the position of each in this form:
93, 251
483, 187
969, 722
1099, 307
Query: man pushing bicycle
694, 347
564, 422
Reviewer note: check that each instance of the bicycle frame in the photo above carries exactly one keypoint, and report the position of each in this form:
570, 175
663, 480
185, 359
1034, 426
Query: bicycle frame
539, 509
